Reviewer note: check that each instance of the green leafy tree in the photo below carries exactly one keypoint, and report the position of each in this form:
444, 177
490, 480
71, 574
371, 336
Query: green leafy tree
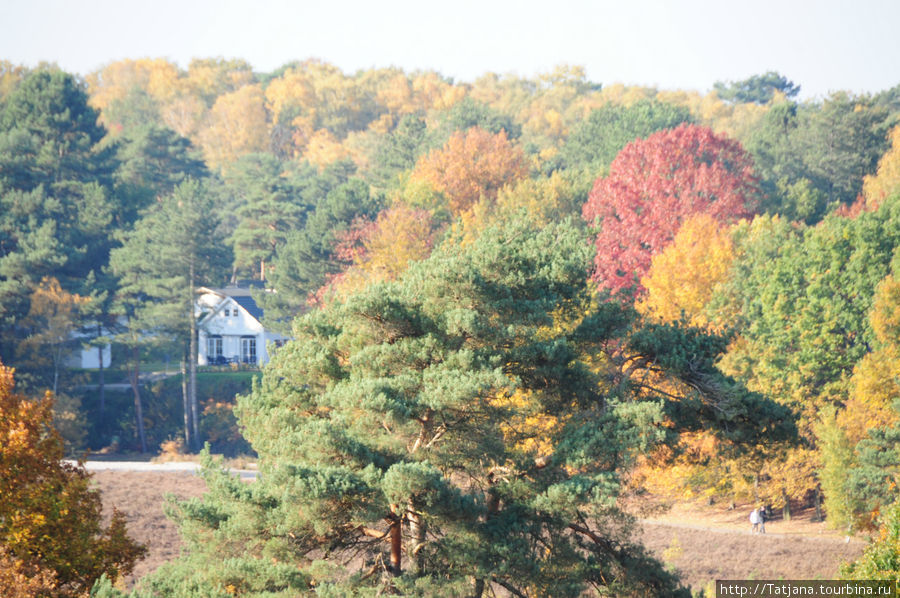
594, 142
799, 304
468, 113
398, 151
307, 260
136, 109
837, 459
806, 310
813, 157
445, 435
841, 143
881, 560
759, 89
153, 160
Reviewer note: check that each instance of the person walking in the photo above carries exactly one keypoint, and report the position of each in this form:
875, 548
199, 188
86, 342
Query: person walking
763, 515
754, 521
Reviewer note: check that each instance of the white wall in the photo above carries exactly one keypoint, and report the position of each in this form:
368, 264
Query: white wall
231, 328
89, 358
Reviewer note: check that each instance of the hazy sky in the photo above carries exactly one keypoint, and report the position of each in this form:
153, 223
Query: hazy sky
823, 45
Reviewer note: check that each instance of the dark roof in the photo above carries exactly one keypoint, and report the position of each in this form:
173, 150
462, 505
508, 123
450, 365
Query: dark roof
247, 302
244, 297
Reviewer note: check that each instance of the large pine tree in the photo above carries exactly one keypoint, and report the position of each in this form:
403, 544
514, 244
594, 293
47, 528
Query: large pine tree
445, 434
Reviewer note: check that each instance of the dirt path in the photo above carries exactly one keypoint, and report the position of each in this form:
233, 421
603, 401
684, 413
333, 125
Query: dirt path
701, 544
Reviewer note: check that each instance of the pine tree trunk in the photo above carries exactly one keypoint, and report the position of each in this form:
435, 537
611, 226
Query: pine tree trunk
396, 541
493, 507
138, 409
786, 511
56, 361
101, 380
186, 400
817, 499
195, 415
416, 538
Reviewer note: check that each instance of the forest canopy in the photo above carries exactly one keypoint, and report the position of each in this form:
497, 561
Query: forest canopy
510, 302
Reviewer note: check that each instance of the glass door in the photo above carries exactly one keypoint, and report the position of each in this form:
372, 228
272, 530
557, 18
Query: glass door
248, 350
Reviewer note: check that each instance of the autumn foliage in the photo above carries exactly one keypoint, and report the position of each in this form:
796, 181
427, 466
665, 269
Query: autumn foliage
886, 180
683, 276
50, 518
471, 165
654, 184
382, 249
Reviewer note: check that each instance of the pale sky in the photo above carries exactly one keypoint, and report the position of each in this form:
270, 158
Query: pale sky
822, 45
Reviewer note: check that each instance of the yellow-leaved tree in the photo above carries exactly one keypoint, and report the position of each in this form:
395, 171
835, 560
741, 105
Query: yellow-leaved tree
874, 385
886, 180
682, 278
236, 125
157, 77
382, 250
52, 321
541, 200
323, 148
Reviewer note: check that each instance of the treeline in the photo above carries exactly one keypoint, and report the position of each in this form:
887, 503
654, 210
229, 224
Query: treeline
743, 214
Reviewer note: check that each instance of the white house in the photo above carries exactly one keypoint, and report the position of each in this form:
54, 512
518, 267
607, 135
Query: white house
230, 330
85, 356
88, 358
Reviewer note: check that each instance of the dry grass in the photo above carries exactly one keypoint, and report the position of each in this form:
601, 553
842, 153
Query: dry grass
703, 544
708, 543
141, 497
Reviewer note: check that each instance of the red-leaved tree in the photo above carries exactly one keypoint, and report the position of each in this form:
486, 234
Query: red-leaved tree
653, 185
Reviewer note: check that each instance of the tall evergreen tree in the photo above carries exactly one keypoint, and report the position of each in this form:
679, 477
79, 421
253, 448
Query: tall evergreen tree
56, 204
172, 250
153, 160
268, 208
594, 142
812, 157
307, 259
759, 89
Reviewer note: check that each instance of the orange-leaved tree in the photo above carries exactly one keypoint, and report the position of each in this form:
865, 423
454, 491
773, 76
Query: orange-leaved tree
50, 518
471, 165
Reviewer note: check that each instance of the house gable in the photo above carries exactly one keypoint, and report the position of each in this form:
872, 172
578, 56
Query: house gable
232, 318
230, 328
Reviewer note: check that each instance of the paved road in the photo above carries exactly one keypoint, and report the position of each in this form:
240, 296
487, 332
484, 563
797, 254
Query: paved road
174, 466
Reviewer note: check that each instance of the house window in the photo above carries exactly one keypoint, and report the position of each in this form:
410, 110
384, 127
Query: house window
213, 348
227, 312
248, 349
